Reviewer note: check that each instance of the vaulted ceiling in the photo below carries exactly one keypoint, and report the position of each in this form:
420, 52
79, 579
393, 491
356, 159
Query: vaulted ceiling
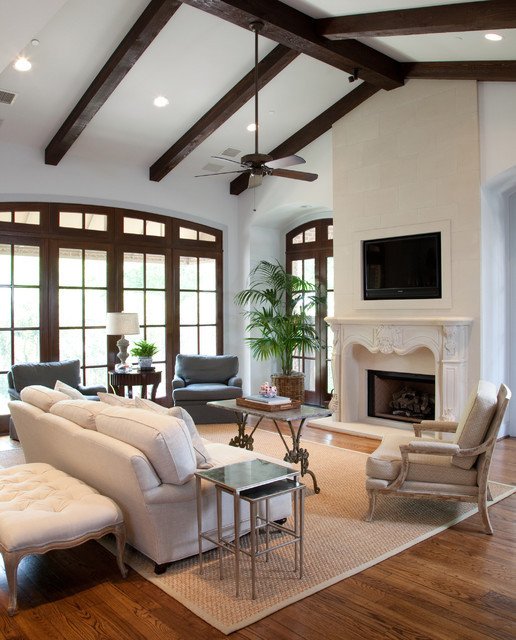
99, 65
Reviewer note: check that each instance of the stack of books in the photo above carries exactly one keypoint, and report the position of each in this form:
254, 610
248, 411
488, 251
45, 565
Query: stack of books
277, 403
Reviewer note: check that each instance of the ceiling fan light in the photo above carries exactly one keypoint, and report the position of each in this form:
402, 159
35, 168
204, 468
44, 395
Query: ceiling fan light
251, 127
494, 37
160, 101
22, 64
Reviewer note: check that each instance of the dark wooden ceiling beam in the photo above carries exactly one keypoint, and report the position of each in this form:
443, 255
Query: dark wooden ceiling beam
312, 130
296, 30
484, 70
268, 68
145, 29
466, 16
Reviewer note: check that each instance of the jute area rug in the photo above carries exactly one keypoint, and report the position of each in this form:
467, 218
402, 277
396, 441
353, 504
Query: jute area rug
338, 543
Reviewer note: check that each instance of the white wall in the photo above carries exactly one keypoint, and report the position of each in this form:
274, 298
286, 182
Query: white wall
408, 161
497, 125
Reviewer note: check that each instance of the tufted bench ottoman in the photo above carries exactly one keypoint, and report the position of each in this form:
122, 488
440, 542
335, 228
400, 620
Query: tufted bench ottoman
42, 509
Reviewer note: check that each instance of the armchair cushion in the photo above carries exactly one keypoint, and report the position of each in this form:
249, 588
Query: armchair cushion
207, 391
385, 463
198, 369
475, 421
46, 373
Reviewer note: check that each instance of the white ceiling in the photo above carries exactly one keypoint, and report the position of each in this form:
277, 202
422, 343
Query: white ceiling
194, 61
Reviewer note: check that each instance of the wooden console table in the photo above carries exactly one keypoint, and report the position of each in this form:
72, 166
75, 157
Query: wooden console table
137, 378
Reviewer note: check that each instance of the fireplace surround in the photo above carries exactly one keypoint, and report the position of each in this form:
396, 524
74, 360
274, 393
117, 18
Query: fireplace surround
442, 341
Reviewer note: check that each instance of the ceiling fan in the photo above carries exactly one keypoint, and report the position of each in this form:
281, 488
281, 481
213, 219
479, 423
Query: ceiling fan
257, 165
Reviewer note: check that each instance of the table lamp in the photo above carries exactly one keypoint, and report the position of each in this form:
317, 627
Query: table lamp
123, 324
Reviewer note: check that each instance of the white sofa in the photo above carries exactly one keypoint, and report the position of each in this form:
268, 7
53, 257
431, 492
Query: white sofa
155, 490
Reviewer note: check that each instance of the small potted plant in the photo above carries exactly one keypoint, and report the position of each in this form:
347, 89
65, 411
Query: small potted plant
144, 351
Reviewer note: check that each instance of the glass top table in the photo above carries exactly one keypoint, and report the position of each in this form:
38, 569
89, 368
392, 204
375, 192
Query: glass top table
295, 453
254, 481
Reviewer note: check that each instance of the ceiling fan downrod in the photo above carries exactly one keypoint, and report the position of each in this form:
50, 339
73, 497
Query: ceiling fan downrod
256, 27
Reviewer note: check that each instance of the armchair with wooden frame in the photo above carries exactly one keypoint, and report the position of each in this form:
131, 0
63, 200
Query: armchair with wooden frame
428, 467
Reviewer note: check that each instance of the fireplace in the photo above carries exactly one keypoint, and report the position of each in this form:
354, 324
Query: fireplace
404, 397
435, 346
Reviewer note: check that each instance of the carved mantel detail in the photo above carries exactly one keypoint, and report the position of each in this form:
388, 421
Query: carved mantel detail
387, 338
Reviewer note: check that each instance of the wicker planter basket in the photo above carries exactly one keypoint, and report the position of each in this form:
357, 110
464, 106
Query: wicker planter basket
292, 387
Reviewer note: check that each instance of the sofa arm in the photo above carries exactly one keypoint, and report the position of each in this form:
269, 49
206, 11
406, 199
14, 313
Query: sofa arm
178, 383
235, 381
91, 391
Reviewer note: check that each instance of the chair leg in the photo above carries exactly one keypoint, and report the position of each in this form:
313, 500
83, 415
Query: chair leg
11, 562
120, 548
482, 508
372, 504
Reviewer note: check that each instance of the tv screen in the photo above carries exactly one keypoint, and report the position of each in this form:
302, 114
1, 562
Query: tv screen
405, 267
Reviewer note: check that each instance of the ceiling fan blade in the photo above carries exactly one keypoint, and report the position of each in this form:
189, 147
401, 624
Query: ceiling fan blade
220, 173
287, 161
295, 175
255, 180
226, 159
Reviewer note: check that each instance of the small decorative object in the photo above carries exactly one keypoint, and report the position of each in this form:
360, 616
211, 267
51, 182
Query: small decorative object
268, 391
144, 351
123, 324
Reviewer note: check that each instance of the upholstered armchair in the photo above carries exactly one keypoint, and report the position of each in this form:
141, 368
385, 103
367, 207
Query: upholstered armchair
429, 467
199, 379
47, 374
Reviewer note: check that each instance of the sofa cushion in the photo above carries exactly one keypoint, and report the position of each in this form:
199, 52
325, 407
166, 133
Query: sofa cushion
207, 391
114, 400
201, 454
165, 440
195, 368
81, 412
475, 421
42, 397
70, 391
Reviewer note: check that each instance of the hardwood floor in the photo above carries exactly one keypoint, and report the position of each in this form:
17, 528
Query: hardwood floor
460, 584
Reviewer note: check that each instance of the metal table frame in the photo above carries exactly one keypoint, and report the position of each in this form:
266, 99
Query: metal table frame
295, 454
229, 537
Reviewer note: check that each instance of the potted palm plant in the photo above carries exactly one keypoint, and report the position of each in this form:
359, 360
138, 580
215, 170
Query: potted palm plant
144, 351
279, 323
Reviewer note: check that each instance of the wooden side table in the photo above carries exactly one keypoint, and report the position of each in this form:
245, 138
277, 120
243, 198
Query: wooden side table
137, 378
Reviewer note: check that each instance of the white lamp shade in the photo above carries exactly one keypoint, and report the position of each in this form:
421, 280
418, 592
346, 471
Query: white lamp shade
122, 324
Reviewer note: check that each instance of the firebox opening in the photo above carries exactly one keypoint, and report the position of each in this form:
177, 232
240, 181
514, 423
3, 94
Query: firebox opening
406, 397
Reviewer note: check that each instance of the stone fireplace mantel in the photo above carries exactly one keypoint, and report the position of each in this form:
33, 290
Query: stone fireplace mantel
447, 338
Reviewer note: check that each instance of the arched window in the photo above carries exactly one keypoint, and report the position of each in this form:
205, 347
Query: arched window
309, 254
63, 266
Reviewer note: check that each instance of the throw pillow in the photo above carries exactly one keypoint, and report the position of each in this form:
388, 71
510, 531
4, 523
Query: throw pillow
72, 393
114, 400
202, 456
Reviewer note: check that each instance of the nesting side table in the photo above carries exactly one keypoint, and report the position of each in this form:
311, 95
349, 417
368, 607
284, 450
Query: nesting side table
255, 482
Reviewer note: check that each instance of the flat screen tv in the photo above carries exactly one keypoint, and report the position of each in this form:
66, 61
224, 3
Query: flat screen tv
405, 267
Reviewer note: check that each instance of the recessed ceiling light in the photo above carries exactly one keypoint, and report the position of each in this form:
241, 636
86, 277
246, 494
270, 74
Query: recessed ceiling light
494, 37
34, 42
22, 64
251, 127
160, 101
